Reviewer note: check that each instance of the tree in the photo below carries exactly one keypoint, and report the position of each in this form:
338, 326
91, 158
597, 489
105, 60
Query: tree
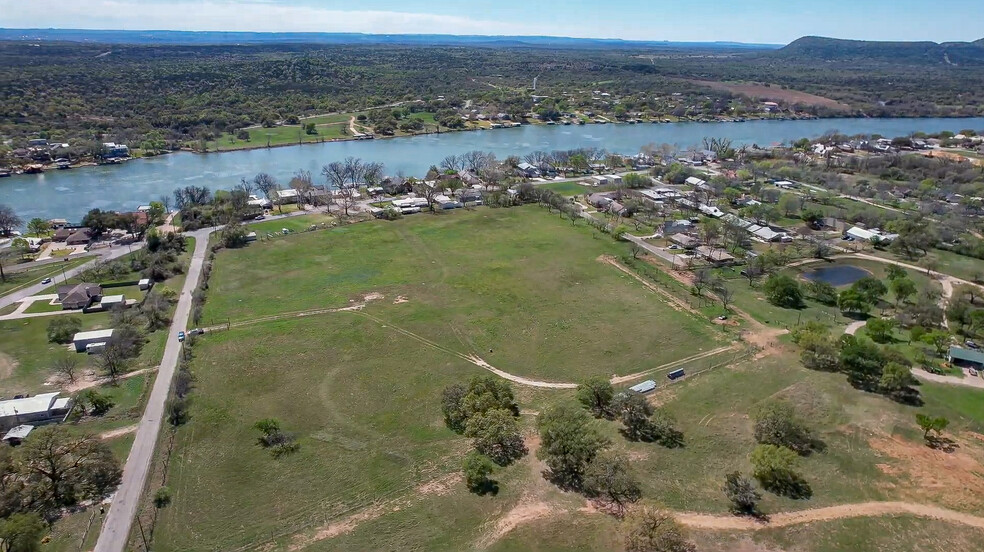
156, 309
488, 393
608, 476
861, 360
649, 529
932, 426
822, 292
22, 532
95, 402
895, 272
851, 300
789, 204
9, 221
634, 411
871, 289
774, 467
66, 366
596, 395
896, 379
477, 468
157, 213
741, 493
820, 353
939, 339
162, 497
496, 434
776, 424
723, 292
68, 468
902, 288
113, 361
451, 404
783, 291
38, 226
61, 329
569, 443
880, 329
234, 235
702, 278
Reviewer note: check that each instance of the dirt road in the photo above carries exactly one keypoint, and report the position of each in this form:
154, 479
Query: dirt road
844, 511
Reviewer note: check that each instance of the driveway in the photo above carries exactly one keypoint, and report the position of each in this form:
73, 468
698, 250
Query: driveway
968, 381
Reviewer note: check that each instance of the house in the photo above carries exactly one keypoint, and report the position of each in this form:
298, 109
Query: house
527, 170
260, 202
644, 387
616, 208
37, 142
87, 342
113, 150
697, 183
145, 283
442, 201
612, 179
58, 224
770, 107
685, 241
470, 179
16, 435
410, 202
785, 184
671, 227
82, 236
41, 408
79, 296
601, 201
967, 358
873, 235
286, 195
470, 197
394, 185
715, 255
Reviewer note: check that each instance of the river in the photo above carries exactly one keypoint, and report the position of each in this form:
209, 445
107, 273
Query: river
71, 193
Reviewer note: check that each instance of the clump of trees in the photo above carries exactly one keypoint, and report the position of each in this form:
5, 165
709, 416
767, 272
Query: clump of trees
650, 529
485, 411
783, 291
276, 439
61, 329
640, 421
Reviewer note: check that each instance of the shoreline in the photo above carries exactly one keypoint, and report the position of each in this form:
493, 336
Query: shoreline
86, 164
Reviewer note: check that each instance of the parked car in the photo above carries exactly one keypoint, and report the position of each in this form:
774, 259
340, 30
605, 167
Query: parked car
972, 344
181, 336
46, 281
196, 331
674, 247
259, 217
973, 373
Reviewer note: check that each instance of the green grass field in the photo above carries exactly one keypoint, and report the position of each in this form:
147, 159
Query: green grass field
360, 390
298, 223
538, 281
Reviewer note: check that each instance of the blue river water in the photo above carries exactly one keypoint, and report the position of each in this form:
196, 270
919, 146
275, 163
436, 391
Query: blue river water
71, 193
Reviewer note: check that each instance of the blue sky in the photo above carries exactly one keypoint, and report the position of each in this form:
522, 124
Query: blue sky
764, 21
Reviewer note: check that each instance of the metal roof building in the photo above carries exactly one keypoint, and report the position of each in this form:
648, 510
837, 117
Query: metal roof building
644, 387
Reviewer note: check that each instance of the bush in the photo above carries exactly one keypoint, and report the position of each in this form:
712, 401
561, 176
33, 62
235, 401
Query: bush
162, 497
62, 329
477, 468
783, 291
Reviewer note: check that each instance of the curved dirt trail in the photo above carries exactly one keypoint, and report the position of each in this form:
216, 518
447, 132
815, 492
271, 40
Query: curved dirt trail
844, 511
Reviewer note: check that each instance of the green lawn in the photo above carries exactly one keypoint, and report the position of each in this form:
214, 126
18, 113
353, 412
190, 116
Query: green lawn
26, 355
568, 188
18, 279
44, 306
537, 282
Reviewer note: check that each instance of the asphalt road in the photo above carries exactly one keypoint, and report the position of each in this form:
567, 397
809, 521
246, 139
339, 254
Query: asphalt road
116, 526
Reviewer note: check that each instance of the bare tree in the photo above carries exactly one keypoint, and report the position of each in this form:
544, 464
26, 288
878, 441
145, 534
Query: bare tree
536, 158
302, 183
702, 278
66, 365
425, 191
724, 293
268, 186
113, 361
453, 163
245, 186
166, 202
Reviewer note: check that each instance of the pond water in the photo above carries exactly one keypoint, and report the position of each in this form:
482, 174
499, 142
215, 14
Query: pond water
837, 275
70, 194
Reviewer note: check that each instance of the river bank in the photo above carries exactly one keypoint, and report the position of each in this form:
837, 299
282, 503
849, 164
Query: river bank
70, 194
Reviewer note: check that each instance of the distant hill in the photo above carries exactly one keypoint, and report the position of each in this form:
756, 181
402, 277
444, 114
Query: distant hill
216, 37
833, 49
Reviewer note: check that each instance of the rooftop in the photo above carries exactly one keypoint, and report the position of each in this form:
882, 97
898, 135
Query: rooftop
94, 334
29, 405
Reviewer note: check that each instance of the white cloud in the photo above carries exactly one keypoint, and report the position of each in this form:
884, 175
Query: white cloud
227, 15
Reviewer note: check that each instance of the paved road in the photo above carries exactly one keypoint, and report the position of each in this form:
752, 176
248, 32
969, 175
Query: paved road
116, 526
104, 255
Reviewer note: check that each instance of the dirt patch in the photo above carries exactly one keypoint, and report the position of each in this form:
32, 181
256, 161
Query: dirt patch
522, 513
773, 93
119, 432
952, 479
373, 297
400, 299
7, 365
440, 486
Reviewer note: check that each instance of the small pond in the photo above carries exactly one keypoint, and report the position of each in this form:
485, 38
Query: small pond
837, 275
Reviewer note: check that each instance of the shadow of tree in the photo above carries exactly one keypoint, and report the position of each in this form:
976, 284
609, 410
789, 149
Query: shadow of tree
486, 487
942, 444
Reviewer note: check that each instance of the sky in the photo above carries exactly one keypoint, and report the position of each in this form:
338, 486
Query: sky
756, 21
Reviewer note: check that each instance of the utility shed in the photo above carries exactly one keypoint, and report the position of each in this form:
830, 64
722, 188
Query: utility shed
644, 387
39, 408
83, 339
966, 357
17, 434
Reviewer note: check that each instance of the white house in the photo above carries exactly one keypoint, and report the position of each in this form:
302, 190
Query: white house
39, 408
85, 341
872, 235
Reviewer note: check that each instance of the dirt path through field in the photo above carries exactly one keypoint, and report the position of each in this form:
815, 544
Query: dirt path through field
118, 432
843, 511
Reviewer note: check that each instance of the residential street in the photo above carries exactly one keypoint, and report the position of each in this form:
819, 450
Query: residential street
116, 526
